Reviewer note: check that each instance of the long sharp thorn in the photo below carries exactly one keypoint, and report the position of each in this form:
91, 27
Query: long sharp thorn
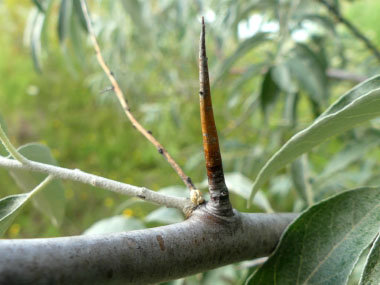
219, 202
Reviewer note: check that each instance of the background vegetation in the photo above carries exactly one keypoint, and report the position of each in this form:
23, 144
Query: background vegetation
273, 67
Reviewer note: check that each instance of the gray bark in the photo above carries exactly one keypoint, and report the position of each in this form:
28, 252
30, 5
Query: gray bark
202, 242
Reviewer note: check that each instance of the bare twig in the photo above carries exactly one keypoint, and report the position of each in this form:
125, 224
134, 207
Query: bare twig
332, 73
97, 181
340, 74
116, 88
220, 202
352, 28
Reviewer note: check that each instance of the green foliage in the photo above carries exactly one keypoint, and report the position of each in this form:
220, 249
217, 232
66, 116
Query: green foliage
241, 185
51, 201
269, 92
9, 208
371, 273
64, 18
243, 48
323, 244
300, 178
332, 122
3, 125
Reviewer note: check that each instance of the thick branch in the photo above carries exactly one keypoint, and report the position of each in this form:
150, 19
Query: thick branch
120, 96
101, 182
219, 197
352, 28
201, 243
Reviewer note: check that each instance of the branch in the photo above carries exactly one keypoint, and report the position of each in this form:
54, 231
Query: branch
116, 88
340, 74
201, 243
352, 28
332, 73
101, 182
219, 197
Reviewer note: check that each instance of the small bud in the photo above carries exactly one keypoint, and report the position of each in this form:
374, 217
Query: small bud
196, 197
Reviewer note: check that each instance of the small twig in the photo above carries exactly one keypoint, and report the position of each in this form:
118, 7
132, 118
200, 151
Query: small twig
332, 73
116, 88
41, 186
340, 74
220, 202
10, 148
98, 181
352, 28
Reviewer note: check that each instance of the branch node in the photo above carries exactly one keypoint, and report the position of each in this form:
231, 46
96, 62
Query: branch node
141, 196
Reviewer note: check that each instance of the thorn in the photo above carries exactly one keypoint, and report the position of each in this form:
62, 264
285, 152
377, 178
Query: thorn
217, 186
202, 40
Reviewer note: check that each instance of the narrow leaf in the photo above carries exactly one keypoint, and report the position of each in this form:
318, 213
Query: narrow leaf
281, 76
3, 125
249, 74
9, 208
300, 178
371, 273
64, 19
290, 108
309, 73
352, 152
80, 14
269, 92
134, 9
242, 49
35, 38
323, 244
239, 184
353, 94
39, 5
358, 111
51, 201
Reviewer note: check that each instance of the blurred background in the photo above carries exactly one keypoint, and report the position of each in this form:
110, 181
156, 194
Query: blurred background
275, 66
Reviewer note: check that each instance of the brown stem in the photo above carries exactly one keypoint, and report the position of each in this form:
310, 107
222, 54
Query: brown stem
220, 203
116, 88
